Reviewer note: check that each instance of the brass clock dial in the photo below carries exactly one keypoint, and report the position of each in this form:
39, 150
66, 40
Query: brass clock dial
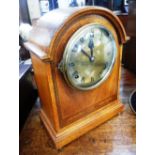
89, 57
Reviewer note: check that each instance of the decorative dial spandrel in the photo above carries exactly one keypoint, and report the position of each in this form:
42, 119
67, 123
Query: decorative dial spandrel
89, 57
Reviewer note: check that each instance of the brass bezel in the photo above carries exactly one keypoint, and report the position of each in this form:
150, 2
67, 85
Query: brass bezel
63, 64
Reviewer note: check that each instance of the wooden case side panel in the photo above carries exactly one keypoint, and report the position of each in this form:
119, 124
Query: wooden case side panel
119, 71
43, 78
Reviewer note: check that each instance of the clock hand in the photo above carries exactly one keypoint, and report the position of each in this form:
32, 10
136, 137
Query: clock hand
86, 54
92, 57
91, 46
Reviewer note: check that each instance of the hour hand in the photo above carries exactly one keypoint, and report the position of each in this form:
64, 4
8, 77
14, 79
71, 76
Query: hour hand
85, 53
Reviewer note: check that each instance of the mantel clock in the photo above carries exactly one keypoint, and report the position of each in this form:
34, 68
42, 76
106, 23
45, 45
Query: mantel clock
76, 55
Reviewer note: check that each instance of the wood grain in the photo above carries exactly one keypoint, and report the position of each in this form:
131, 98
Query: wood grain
75, 130
67, 113
115, 137
73, 99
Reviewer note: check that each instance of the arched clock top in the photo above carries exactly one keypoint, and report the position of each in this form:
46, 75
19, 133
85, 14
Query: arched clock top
47, 29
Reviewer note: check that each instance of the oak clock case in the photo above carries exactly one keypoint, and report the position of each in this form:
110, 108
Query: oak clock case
76, 55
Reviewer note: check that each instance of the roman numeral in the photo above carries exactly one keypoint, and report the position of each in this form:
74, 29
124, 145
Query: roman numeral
71, 64
82, 40
92, 79
105, 65
75, 48
83, 79
75, 75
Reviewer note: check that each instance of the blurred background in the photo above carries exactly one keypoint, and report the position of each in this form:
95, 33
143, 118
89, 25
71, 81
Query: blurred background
30, 10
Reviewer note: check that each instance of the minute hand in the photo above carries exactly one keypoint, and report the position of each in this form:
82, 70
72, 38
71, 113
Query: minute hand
91, 46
